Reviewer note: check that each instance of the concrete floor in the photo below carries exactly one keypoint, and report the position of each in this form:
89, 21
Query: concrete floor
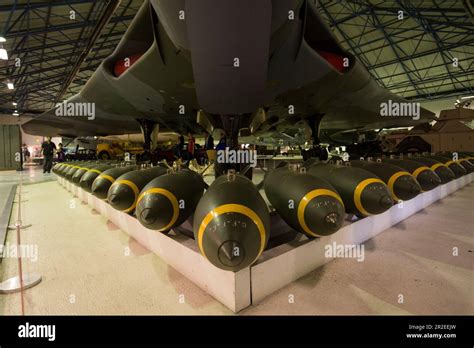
30, 175
89, 266
9, 179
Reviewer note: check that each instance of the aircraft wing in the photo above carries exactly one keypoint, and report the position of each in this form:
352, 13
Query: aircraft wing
319, 78
145, 78
68, 123
180, 74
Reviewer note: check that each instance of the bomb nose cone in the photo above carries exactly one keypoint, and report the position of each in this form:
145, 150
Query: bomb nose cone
467, 166
375, 199
113, 198
457, 170
231, 223
386, 202
230, 241
405, 188
323, 222
231, 253
333, 221
147, 216
322, 216
100, 189
445, 174
450, 174
121, 197
436, 179
415, 189
156, 212
86, 184
428, 180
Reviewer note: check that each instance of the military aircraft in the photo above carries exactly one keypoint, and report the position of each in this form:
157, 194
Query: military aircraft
248, 67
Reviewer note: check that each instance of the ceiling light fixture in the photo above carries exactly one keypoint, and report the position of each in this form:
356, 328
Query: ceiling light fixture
3, 54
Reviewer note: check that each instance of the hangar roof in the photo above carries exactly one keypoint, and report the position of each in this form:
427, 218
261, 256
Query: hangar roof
418, 49
54, 46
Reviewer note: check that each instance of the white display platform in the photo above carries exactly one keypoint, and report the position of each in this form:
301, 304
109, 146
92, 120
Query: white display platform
276, 267
282, 265
178, 251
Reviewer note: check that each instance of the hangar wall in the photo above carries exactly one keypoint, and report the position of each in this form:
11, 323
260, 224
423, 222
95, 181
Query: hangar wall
10, 144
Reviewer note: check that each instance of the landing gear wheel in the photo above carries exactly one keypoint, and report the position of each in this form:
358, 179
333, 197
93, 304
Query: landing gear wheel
103, 155
316, 152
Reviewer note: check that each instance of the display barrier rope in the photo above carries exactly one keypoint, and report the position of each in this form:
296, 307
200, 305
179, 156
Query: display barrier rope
18, 240
21, 282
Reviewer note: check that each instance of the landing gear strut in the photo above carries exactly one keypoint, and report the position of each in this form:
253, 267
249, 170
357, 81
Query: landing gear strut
231, 125
314, 123
149, 129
